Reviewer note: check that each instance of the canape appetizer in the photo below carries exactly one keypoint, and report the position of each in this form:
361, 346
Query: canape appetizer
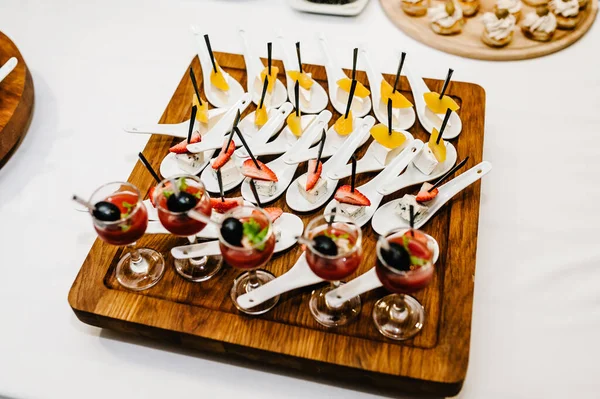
265, 179
187, 161
304, 79
311, 185
261, 115
391, 141
441, 103
404, 205
224, 163
469, 7
218, 77
222, 205
434, 152
344, 125
352, 202
294, 120
415, 8
446, 18
201, 106
539, 25
498, 28
270, 72
274, 214
513, 6
345, 84
566, 12
391, 92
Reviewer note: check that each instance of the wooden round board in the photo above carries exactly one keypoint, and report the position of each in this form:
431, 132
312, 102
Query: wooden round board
469, 44
16, 100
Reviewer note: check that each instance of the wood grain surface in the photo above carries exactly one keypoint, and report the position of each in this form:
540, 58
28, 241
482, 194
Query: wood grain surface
16, 100
468, 43
201, 315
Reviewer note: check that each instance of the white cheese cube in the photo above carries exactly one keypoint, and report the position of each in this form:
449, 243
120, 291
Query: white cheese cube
229, 172
384, 155
425, 161
189, 162
314, 193
265, 188
403, 208
352, 211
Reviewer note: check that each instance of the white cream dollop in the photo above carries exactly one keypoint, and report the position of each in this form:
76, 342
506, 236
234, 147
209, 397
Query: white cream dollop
439, 15
498, 28
513, 6
547, 23
565, 8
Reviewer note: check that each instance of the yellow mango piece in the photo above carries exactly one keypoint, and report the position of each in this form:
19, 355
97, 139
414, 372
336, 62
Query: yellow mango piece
294, 124
271, 79
439, 149
437, 106
398, 100
303, 79
360, 91
382, 135
343, 126
218, 79
261, 116
202, 113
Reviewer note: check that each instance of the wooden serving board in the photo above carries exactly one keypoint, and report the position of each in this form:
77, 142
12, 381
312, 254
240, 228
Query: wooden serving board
201, 315
16, 100
468, 43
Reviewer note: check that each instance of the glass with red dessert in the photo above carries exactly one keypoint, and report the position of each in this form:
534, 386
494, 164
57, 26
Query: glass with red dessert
333, 249
120, 218
247, 241
174, 198
404, 265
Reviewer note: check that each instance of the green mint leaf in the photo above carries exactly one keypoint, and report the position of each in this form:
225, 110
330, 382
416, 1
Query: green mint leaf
183, 184
127, 205
197, 194
414, 260
167, 193
251, 229
125, 227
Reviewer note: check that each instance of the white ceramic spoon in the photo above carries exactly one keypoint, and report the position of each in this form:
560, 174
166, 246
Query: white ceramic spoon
289, 225
374, 159
298, 276
402, 119
261, 136
318, 95
284, 171
179, 129
254, 67
293, 197
413, 175
282, 142
334, 141
169, 166
368, 281
8, 67
218, 98
370, 189
386, 219
338, 97
428, 119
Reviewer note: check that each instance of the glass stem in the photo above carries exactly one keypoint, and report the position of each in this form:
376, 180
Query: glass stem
137, 263
398, 310
253, 282
332, 286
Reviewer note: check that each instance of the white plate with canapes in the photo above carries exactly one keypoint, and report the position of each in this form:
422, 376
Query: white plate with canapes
361, 214
339, 84
325, 186
220, 88
403, 112
313, 97
388, 217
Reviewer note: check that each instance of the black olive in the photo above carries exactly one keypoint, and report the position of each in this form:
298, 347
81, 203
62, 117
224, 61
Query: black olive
232, 231
181, 202
106, 211
325, 245
397, 257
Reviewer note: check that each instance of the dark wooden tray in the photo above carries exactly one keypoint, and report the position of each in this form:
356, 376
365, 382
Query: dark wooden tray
201, 315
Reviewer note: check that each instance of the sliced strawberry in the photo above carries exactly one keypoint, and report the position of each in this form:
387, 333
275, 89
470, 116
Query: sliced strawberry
250, 170
345, 195
418, 249
274, 212
151, 195
226, 204
224, 155
313, 177
424, 195
181, 148
421, 237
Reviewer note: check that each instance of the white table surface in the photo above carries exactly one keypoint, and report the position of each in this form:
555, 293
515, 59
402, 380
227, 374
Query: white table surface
98, 65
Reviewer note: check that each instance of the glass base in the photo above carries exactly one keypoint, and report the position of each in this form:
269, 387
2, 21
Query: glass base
242, 285
398, 316
143, 274
330, 316
198, 269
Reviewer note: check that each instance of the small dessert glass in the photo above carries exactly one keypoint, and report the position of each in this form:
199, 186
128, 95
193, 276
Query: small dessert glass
139, 268
399, 316
181, 225
251, 256
333, 268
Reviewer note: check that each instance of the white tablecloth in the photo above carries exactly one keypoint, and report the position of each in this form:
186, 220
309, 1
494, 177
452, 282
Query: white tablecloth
99, 65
